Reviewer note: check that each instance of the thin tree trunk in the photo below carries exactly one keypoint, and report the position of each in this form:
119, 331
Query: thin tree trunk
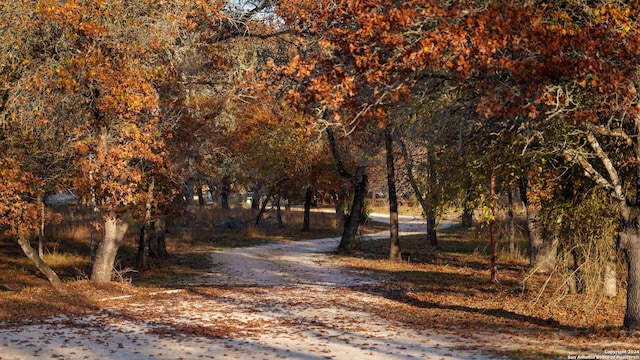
188, 192
492, 193
278, 212
200, 195
395, 253
263, 208
114, 231
307, 209
426, 206
255, 199
467, 210
225, 191
147, 230
512, 225
41, 230
541, 252
432, 235
32, 254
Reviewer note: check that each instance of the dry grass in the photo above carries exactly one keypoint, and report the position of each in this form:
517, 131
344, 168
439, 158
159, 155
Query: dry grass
449, 289
24, 293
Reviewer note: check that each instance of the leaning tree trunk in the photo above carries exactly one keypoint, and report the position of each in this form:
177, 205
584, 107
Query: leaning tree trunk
114, 231
394, 253
427, 206
32, 254
360, 184
629, 242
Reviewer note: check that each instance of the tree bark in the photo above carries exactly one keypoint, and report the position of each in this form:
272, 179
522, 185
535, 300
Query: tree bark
114, 231
255, 199
360, 186
225, 191
147, 230
32, 254
158, 246
278, 211
512, 225
307, 209
395, 253
629, 242
200, 195
432, 235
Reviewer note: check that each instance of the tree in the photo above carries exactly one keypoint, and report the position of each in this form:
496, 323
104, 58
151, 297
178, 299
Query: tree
570, 67
20, 211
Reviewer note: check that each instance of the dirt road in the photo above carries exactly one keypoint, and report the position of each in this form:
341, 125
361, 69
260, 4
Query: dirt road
284, 301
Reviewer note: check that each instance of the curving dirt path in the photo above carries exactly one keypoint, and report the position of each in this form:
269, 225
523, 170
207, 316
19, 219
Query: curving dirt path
285, 301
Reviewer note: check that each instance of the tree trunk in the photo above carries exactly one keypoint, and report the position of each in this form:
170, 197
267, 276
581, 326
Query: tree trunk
360, 183
114, 231
200, 195
338, 202
467, 210
542, 254
255, 200
188, 193
144, 246
432, 235
512, 226
158, 246
147, 230
492, 200
394, 253
225, 191
263, 208
426, 205
278, 212
32, 254
629, 242
307, 209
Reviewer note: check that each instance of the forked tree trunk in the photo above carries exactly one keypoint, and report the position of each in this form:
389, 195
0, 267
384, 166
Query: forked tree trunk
427, 206
308, 194
32, 254
629, 242
114, 231
394, 254
360, 185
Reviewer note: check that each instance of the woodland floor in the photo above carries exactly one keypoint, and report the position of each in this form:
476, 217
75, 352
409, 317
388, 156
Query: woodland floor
300, 300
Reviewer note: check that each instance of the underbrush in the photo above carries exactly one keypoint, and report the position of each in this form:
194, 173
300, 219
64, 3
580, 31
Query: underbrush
449, 288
